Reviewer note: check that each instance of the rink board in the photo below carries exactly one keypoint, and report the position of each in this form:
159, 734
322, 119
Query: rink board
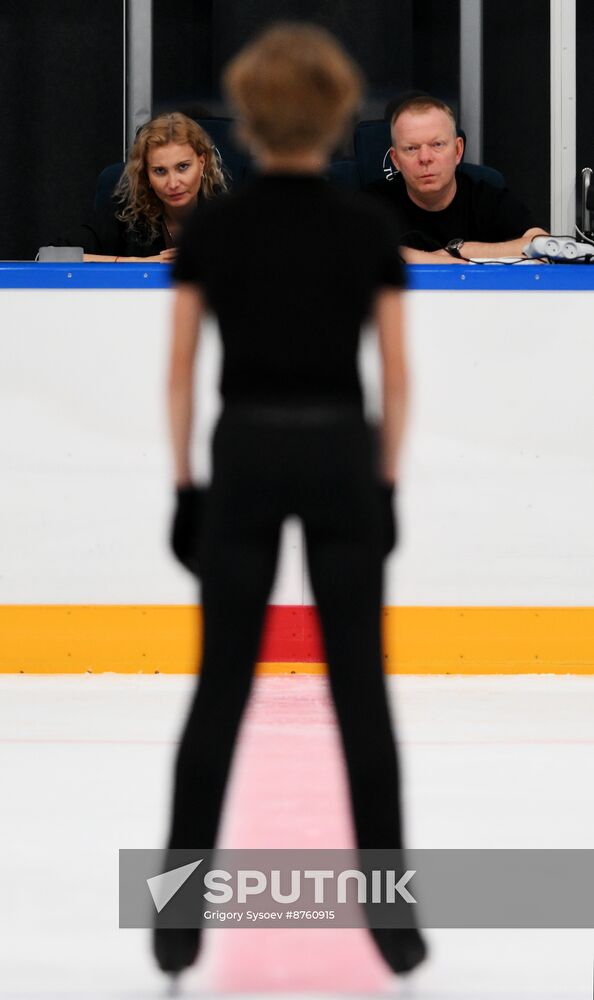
165, 639
495, 569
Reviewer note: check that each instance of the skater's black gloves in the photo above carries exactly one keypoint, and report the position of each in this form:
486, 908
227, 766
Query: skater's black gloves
389, 525
187, 526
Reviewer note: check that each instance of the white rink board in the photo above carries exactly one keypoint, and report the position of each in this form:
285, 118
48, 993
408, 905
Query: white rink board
498, 483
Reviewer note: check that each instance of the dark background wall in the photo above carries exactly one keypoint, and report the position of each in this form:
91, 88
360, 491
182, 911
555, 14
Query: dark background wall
182, 52
516, 74
61, 66
61, 118
398, 44
378, 34
436, 34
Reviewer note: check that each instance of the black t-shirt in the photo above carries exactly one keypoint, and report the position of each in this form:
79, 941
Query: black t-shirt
479, 212
289, 266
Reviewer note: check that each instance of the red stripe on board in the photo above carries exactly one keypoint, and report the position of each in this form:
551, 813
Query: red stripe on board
291, 634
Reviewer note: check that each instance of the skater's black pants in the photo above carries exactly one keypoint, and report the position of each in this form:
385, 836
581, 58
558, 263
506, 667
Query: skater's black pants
320, 468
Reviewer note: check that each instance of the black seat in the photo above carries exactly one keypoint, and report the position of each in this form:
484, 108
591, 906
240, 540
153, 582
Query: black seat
345, 174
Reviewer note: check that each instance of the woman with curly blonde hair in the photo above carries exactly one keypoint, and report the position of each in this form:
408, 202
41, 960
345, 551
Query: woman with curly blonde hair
172, 167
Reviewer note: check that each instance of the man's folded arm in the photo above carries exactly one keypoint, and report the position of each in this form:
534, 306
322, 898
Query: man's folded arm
508, 248
472, 250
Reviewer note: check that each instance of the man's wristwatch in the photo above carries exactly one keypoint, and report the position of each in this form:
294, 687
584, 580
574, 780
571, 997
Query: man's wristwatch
453, 247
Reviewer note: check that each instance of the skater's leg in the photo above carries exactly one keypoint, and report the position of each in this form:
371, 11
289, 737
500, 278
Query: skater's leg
346, 587
234, 603
238, 569
341, 514
344, 556
346, 579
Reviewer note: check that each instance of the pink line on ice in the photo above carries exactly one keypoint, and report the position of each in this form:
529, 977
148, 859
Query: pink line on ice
288, 790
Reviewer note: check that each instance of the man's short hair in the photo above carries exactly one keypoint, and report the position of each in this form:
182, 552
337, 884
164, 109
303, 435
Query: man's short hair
417, 105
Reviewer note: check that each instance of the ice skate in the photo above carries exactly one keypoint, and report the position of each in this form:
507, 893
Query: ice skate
175, 950
402, 949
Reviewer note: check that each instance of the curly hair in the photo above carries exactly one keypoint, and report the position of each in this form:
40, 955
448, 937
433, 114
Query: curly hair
142, 210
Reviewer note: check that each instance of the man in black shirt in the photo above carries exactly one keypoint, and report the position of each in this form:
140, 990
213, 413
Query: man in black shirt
442, 215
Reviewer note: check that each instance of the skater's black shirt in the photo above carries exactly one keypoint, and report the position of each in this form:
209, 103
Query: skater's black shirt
289, 266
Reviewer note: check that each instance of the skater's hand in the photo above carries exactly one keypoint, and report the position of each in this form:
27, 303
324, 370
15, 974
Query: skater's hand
187, 526
389, 524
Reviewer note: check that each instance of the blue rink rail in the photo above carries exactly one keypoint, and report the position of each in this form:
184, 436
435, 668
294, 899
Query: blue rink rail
423, 277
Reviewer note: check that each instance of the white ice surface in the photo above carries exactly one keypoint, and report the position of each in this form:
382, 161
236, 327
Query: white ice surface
85, 770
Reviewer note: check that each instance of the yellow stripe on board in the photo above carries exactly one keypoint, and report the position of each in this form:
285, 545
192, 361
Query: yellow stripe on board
418, 640
72, 639
489, 640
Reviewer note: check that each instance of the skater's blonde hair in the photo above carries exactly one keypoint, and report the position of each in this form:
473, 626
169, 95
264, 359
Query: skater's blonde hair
295, 89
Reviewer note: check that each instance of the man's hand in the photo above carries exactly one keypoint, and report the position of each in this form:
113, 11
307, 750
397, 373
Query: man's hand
165, 257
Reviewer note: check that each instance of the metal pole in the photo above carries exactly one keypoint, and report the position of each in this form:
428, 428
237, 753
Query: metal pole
586, 212
124, 71
563, 116
138, 80
471, 77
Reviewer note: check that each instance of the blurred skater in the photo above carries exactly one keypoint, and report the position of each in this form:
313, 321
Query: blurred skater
291, 268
